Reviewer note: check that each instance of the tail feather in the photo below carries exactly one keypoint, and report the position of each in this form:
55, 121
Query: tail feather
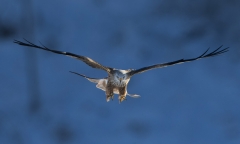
134, 95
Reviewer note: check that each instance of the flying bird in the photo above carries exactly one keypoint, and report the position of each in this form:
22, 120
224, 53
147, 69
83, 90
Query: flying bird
117, 80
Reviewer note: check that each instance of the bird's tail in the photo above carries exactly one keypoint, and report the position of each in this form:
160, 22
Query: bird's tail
133, 95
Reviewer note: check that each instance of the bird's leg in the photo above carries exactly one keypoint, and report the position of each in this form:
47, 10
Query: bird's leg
109, 92
122, 94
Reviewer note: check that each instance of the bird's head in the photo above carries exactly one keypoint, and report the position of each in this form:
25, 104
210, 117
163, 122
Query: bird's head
121, 77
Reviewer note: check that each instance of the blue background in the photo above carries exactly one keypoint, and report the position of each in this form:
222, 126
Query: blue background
195, 103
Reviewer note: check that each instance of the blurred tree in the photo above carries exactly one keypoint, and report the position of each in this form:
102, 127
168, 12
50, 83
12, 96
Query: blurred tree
28, 25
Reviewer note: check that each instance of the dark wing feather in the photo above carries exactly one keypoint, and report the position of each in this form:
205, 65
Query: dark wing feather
204, 55
87, 60
86, 76
94, 80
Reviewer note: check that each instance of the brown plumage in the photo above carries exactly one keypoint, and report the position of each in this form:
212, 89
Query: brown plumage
104, 85
117, 80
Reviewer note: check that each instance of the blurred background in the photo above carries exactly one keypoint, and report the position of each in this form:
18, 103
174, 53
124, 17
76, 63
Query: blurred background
197, 102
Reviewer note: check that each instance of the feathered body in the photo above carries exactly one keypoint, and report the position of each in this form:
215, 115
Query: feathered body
113, 84
117, 79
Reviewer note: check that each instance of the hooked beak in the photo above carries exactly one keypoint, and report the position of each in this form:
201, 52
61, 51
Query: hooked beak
120, 79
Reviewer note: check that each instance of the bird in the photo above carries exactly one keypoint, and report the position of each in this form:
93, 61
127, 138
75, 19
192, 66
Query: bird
117, 80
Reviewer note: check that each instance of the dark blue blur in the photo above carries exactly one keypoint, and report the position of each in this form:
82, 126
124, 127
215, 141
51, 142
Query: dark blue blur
192, 103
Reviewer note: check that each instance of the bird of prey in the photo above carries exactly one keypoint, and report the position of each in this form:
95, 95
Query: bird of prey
117, 80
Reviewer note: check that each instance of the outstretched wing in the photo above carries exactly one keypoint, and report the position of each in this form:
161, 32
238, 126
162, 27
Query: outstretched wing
204, 55
87, 60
